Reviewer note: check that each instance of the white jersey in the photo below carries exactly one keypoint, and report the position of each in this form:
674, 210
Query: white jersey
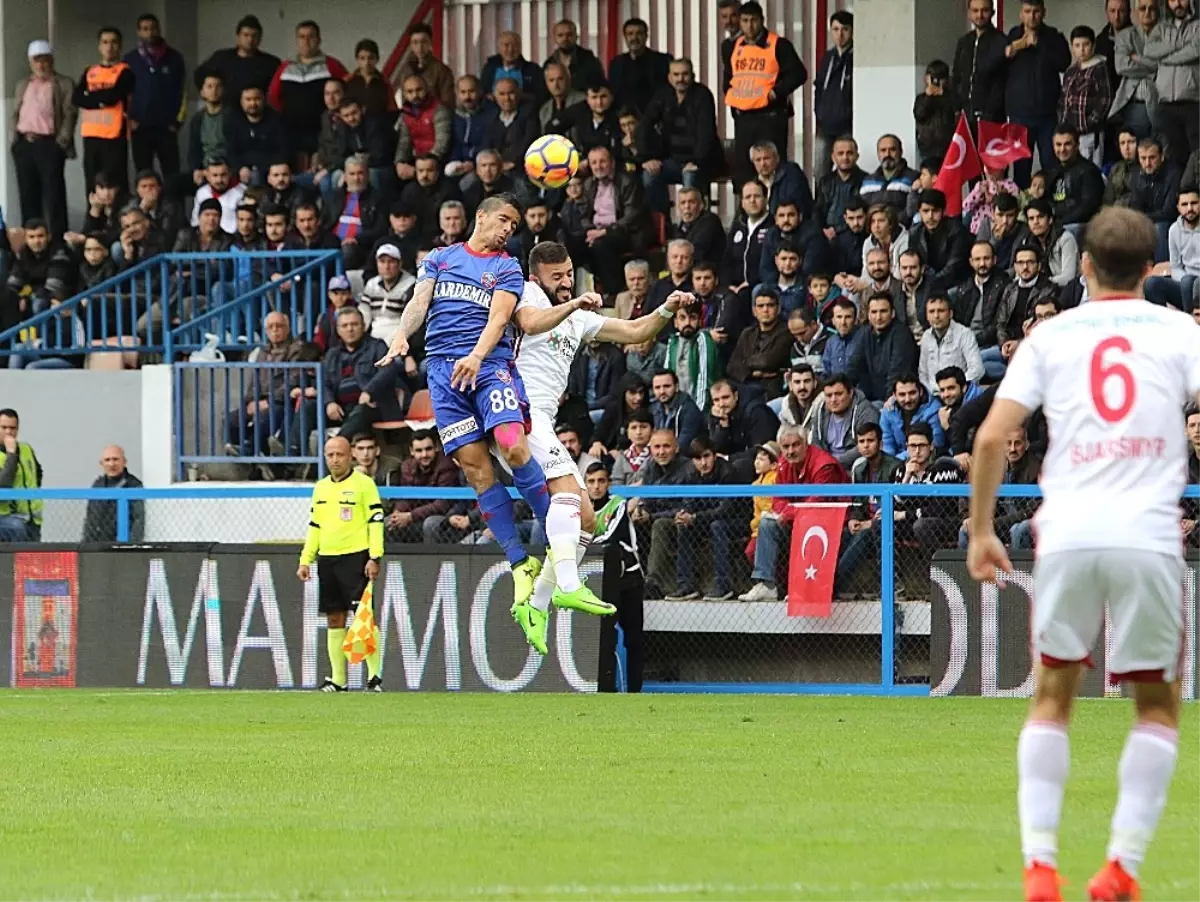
544, 361
1112, 378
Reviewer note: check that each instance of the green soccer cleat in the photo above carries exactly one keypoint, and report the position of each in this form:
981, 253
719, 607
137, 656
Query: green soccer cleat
533, 624
524, 576
582, 599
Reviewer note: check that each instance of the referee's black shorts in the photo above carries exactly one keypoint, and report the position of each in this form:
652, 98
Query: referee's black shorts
342, 581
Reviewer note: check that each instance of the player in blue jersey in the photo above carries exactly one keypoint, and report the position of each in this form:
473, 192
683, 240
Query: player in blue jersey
469, 292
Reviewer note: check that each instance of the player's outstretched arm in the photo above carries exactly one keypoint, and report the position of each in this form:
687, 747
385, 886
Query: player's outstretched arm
533, 321
632, 332
985, 554
411, 319
466, 369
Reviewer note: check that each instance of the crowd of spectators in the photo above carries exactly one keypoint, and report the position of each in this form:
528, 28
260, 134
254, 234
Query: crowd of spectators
848, 327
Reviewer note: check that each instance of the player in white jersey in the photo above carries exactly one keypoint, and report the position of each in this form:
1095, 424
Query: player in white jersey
1112, 377
544, 364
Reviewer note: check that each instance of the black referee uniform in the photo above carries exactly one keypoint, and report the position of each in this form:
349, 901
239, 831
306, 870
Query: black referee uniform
625, 587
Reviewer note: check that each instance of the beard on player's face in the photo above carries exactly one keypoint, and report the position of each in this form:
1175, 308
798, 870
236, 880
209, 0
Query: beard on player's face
559, 295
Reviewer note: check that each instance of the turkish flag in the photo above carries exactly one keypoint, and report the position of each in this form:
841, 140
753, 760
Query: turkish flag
1003, 143
960, 166
816, 538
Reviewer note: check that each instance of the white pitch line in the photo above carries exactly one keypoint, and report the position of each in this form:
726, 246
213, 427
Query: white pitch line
799, 889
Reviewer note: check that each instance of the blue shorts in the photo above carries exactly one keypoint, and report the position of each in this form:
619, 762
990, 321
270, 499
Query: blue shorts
469, 416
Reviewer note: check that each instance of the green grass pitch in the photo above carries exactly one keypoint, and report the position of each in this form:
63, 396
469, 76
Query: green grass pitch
199, 795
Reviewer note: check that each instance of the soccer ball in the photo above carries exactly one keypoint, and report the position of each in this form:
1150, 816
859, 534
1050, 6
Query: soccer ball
550, 161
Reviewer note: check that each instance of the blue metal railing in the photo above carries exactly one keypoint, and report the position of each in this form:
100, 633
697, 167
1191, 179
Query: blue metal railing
247, 408
165, 304
883, 494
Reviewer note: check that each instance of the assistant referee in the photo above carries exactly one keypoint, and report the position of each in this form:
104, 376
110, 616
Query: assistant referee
345, 537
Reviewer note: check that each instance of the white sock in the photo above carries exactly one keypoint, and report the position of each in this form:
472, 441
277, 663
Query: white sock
562, 532
543, 589
1043, 763
581, 550
1143, 777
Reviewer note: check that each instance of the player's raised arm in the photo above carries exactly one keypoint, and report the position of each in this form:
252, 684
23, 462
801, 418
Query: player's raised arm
466, 369
632, 332
411, 319
535, 321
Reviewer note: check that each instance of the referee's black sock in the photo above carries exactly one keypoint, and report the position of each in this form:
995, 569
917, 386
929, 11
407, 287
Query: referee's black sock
337, 657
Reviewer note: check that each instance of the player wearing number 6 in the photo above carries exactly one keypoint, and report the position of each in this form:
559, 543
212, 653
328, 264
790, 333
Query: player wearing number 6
469, 292
544, 363
1112, 377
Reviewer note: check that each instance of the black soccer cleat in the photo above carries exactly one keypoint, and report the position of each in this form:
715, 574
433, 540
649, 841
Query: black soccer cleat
330, 686
374, 684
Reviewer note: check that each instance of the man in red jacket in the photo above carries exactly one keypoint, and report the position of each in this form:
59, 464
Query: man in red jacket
800, 464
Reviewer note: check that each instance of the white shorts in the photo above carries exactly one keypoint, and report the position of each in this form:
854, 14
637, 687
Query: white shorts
546, 449
1144, 593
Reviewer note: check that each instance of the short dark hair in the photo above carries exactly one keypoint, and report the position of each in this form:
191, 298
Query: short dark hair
148, 17
110, 29
813, 276
280, 162
421, 28
939, 297
801, 369
844, 303
273, 210
789, 246
1083, 31
938, 70
1067, 130
634, 20
788, 202
704, 266
249, 22
421, 435
932, 197
9, 412
1005, 203
952, 372
1150, 141
309, 205
597, 467
504, 199
842, 379
364, 437
912, 252
920, 428
843, 17
907, 379
804, 312
932, 164
855, 203
1041, 205
868, 428
767, 293
752, 8
665, 372
641, 415
1028, 246
309, 23
562, 428
881, 296
371, 47
35, 224
700, 446
1120, 243
548, 253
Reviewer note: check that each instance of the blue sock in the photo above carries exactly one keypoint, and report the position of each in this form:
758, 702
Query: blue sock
531, 483
497, 509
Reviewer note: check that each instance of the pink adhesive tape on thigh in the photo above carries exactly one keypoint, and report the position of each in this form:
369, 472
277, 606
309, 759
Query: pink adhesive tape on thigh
508, 435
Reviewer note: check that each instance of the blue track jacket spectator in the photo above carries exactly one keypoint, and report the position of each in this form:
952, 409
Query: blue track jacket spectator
891, 421
158, 85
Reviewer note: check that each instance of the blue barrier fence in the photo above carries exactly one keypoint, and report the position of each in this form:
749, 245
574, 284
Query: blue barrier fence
167, 304
876, 643
258, 413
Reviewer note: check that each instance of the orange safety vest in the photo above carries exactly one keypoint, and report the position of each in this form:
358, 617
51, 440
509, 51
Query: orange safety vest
755, 71
108, 122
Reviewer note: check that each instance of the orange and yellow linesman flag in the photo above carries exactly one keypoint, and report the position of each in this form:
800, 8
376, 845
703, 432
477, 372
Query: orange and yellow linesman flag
361, 638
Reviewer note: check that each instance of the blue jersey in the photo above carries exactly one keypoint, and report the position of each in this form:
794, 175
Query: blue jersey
464, 282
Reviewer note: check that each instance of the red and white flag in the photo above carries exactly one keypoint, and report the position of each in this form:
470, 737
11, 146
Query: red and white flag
816, 538
1002, 144
960, 166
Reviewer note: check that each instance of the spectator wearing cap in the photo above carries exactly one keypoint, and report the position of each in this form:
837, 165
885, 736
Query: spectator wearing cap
403, 234
427, 192
760, 75
242, 65
339, 294
298, 87
355, 216
384, 298
205, 132
509, 127
43, 138
420, 60
220, 185
255, 137
366, 86
103, 95
424, 127
208, 235
159, 104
